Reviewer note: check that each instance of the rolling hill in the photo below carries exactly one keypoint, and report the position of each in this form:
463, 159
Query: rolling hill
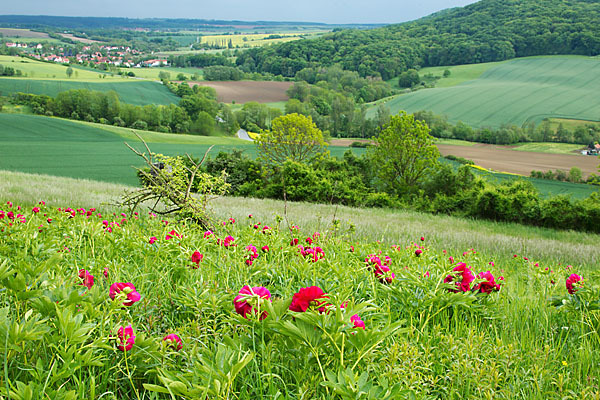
54, 146
515, 92
133, 92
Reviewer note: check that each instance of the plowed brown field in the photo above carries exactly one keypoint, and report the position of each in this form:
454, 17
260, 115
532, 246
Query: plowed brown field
244, 91
504, 159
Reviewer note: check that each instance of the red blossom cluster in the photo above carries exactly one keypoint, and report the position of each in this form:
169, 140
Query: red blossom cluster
314, 254
464, 276
379, 268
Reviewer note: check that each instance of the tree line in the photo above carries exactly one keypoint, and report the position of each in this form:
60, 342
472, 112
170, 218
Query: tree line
402, 170
198, 111
486, 31
586, 134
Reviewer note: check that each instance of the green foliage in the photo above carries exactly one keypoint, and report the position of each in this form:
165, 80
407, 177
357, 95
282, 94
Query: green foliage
490, 30
409, 78
292, 137
222, 73
404, 154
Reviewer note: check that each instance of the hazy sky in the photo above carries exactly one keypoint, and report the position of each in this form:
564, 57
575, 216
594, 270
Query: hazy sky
329, 11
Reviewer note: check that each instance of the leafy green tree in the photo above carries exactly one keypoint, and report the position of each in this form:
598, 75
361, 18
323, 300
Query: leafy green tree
575, 175
293, 137
69, 72
164, 76
409, 78
404, 153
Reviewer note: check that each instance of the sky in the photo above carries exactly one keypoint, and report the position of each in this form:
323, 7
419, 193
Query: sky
327, 11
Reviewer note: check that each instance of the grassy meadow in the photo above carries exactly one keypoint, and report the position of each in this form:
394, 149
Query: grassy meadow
513, 92
102, 304
83, 150
152, 73
552, 148
35, 69
129, 91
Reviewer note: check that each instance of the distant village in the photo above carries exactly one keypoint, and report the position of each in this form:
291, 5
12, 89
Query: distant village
94, 55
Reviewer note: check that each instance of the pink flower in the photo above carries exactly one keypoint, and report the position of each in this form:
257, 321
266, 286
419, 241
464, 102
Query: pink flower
128, 289
36, 210
311, 297
488, 285
381, 270
152, 240
172, 234
227, 242
250, 300
249, 215
266, 229
315, 253
196, 258
88, 279
265, 248
105, 272
125, 338
309, 240
294, 242
418, 252
358, 323
573, 279
252, 254
173, 341
466, 277
207, 234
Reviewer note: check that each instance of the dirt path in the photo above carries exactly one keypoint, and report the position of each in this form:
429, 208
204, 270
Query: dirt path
503, 159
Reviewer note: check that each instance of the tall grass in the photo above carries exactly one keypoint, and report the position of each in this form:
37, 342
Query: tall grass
390, 226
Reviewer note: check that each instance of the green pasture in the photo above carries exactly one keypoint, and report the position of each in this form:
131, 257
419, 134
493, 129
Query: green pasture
514, 92
546, 187
570, 124
129, 91
454, 142
152, 73
48, 70
59, 147
552, 148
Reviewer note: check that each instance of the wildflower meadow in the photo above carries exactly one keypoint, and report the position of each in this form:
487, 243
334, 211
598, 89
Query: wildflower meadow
117, 305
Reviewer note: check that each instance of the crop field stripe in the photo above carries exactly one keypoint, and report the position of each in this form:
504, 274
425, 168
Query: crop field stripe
137, 93
515, 92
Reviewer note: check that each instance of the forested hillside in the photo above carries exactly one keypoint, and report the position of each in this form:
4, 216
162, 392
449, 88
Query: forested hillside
489, 30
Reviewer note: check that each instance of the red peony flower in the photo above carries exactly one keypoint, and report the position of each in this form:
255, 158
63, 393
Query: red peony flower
573, 279
358, 323
418, 252
381, 270
152, 240
488, 285
265, 248
466, 277
196, 258
250, 300
88, 279
311, 297
128, 289
294, 242
173, 341
125, 338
